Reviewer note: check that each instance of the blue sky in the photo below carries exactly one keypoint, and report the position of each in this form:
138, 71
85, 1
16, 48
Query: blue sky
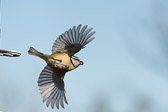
124, 65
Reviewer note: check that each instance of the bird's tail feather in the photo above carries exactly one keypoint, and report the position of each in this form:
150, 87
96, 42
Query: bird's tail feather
34, 52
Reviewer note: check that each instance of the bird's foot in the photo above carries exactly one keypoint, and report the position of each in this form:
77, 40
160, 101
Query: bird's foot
61, 65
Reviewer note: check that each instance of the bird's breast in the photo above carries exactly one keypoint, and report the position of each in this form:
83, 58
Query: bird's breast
65, 58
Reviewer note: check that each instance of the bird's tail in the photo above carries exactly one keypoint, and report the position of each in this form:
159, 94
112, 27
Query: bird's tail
34, 52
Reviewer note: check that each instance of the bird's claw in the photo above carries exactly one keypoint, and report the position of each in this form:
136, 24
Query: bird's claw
61, 65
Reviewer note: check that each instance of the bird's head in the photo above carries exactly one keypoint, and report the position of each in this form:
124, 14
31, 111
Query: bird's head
76, 61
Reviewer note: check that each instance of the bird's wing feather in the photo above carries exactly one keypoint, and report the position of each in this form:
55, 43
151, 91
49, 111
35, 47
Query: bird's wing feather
51, 87
10, 53
73, 40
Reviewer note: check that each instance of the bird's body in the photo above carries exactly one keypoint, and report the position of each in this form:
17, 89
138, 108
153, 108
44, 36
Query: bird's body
55, 60
65, 58
61, 60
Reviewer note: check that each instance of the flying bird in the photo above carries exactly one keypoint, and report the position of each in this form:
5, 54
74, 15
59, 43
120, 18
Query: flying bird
62, 60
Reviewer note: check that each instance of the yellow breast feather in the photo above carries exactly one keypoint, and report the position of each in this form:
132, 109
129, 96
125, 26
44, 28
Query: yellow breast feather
65, 58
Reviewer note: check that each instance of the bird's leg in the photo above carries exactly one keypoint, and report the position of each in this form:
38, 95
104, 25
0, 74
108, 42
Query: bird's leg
58, 63
61, 65
57, 60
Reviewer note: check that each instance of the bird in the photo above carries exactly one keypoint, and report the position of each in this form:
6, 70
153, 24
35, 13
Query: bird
9, 53
62, 60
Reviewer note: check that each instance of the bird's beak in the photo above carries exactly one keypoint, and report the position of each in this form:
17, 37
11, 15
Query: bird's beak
81, 62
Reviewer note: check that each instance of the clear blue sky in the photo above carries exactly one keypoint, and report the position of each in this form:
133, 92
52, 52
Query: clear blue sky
124, 66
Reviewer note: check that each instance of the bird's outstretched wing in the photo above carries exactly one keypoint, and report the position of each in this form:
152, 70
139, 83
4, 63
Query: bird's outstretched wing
73, 40
51, 87
10, 53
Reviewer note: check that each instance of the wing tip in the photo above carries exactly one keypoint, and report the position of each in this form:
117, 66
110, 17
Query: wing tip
10, 53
